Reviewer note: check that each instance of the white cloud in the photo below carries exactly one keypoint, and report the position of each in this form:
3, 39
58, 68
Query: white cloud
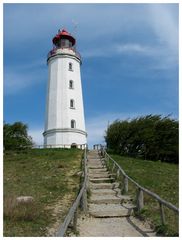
54, 16
98, 24
32, 65
164, 25
15, 82
122, 48
135, 48
20, 77
96, 21
95, 52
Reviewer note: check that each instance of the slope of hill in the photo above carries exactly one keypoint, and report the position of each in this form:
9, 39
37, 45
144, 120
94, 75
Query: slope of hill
51, 177
160, 178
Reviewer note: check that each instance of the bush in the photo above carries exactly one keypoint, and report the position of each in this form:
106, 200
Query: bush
150, 137
16, 137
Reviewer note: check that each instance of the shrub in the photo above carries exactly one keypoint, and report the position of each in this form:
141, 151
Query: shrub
16, 137
150, 137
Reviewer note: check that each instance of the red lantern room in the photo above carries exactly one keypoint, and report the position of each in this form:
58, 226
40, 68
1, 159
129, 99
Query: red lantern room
63, 39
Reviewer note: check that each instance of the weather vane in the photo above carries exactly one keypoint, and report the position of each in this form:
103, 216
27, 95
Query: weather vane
75, 25
60, 29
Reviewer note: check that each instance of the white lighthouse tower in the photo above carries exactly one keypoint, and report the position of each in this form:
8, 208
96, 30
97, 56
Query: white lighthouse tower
65, 123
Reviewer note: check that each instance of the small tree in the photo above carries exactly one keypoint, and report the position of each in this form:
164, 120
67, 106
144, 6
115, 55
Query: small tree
16, 137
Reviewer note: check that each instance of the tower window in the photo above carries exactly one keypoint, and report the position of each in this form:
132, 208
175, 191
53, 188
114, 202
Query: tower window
70, 66
65, 43
72, 103
73, 124
71, 84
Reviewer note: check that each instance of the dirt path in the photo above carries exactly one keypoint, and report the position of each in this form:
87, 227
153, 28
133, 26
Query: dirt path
109, 212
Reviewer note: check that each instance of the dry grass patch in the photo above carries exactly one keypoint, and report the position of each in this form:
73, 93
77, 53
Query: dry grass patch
25, 211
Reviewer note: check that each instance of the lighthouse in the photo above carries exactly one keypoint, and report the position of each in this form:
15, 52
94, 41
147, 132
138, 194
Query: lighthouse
64, 123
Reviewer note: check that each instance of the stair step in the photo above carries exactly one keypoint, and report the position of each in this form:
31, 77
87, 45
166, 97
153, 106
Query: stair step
100, 170
101, 180
96, 176
104, 199
111, 210
94, 162
95, 166
99, 175
105, 191
103, 185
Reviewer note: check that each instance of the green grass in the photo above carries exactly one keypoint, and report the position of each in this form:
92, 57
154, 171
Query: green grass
49, 176
160, 178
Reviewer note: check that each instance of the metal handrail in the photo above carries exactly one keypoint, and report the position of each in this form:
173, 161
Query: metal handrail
82, 197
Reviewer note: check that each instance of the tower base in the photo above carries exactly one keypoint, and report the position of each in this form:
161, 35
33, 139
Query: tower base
65, 138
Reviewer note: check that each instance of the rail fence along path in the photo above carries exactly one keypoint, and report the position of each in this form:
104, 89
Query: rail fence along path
81, 200
106, 207
140, 189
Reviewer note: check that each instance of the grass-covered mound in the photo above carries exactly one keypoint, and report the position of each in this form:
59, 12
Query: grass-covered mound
160, 178
51, 177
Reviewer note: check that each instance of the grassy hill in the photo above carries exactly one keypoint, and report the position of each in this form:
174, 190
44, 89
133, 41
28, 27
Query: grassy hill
51, 177
160, 178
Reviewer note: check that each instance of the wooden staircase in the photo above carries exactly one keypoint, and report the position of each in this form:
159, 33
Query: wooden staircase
105, 198
109, 212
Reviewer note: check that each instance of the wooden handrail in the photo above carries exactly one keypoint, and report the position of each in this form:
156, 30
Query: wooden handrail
82, 196
167, 204
141, 189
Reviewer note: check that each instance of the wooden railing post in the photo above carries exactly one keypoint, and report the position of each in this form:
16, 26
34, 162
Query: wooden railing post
108, 159
113, 167
84, 201
84, 196
118, 173
163, 220
140, 202
125, 185
75, 220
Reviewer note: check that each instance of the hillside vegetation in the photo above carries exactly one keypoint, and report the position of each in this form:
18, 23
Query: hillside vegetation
51, 177
15, 136
160, 178
150, 137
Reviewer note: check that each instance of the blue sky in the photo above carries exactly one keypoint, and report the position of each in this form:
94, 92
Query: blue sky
130, 61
